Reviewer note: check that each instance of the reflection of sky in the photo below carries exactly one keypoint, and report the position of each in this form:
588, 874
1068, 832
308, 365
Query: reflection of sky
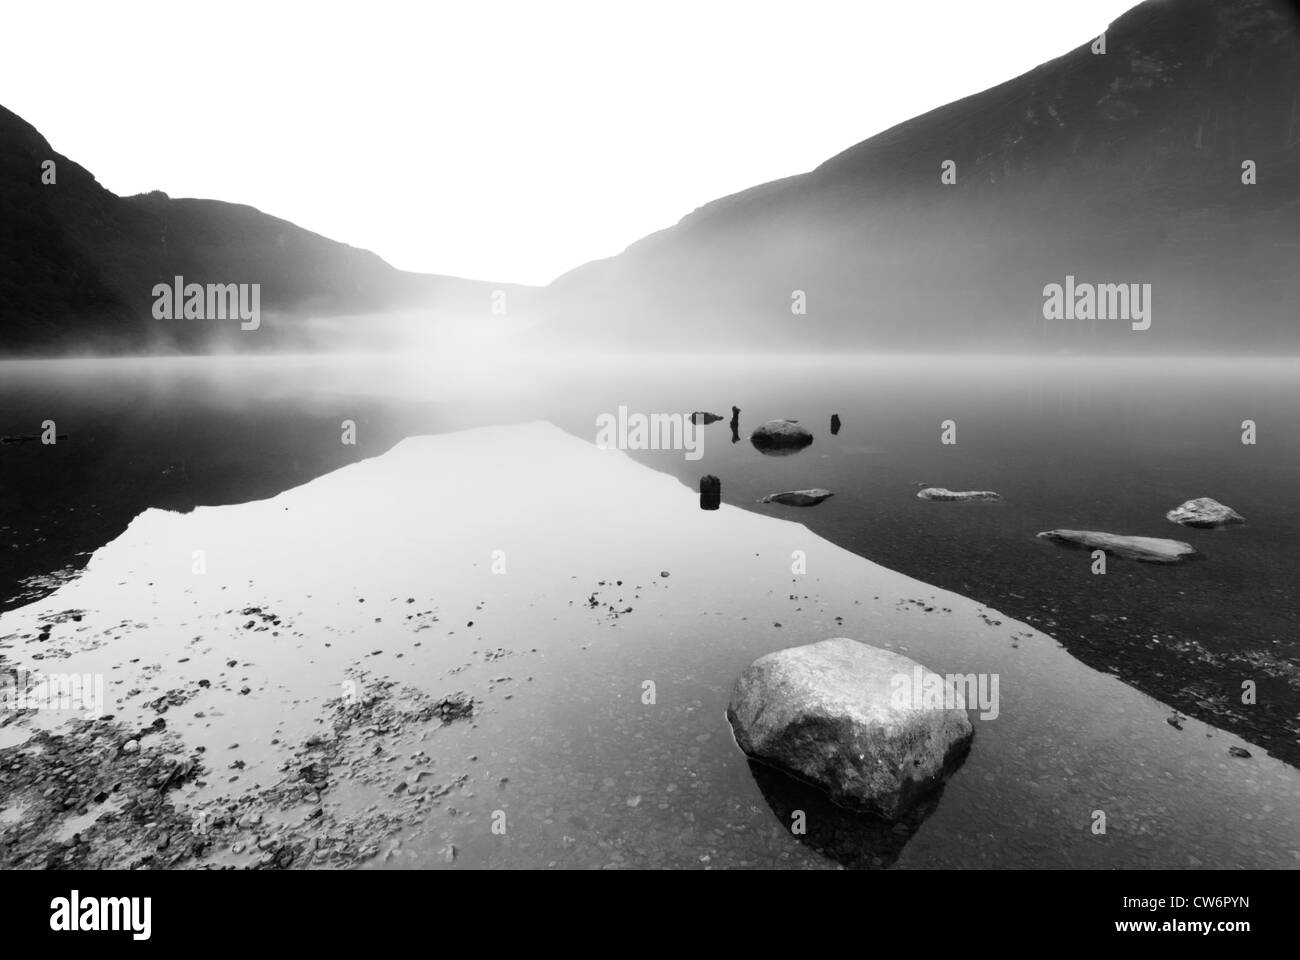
582, 755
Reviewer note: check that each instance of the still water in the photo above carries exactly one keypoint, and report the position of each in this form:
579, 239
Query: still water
1084, 444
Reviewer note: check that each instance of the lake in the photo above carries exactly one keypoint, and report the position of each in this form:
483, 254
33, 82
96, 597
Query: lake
1091, 444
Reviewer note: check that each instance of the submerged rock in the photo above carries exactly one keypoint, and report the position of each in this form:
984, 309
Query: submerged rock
942, 493
1204, 512
798, 498
783, 435
840, 715
1146, 549
700, 416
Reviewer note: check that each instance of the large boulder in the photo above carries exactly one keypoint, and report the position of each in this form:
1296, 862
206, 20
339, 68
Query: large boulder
783, 435
1204, 512
1146, 549
799, 498
841, 715
942, 493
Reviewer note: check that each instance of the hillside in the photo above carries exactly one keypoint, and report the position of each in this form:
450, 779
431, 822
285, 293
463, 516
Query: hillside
78, 265
1117, 168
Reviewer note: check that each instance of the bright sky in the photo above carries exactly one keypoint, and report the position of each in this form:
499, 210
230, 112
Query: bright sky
506, 140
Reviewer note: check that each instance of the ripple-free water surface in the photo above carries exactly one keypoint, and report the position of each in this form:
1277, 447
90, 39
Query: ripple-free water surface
600, 781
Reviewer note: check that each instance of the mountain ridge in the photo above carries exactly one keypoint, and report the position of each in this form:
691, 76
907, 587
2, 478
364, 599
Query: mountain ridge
1137, 150
1118, 168
78, 264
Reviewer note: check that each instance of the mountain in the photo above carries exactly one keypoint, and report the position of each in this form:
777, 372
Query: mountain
1122, 167
78, 265
1117, 167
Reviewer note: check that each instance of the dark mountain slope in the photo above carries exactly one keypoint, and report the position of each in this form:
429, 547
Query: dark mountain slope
78, 265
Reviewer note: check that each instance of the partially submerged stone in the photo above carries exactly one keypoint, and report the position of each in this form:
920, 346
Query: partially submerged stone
703, 417
783, 435
798, 498
1204, 512
942, 493
1146, 549
842, 715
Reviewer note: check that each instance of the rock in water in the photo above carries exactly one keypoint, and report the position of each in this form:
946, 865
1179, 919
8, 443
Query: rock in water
835, 424
1146, 549
842, 715
781, 435
701, 416
941, 493
798, 498
1204, 512
710, 492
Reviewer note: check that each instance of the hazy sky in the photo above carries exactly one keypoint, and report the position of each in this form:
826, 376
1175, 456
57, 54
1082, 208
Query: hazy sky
499, 139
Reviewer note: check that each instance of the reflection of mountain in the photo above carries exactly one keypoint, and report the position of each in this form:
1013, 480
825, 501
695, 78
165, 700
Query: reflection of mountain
1123, 167
849, 838
78, 264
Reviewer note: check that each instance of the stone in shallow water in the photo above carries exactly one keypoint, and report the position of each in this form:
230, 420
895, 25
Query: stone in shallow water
799, 498
942, 493
783, 435
1146, 549
841, 715
1204, 512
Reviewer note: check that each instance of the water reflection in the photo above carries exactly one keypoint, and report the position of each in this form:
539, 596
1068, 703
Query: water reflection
856, 840
177, 435
779, 451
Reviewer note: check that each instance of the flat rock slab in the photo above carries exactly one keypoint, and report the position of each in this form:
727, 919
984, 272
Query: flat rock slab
942, 493
841, 715
799, 498
1204, 512
704, 417
1146, 549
